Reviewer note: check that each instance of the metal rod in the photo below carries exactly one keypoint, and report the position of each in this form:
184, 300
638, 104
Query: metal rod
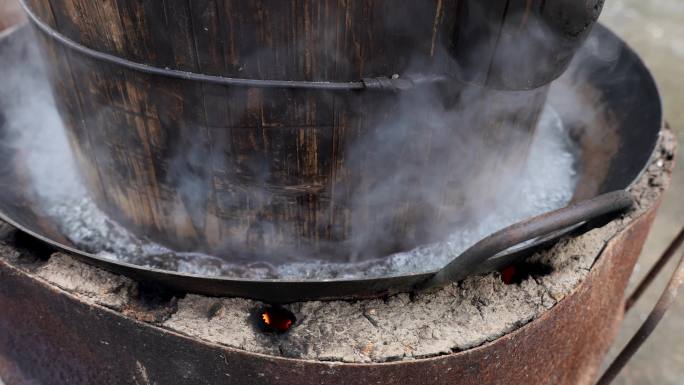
467, 262
382, 83
666, 300
655, 270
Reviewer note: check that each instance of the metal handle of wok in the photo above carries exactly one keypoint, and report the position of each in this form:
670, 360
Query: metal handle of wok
664, 303
469, 261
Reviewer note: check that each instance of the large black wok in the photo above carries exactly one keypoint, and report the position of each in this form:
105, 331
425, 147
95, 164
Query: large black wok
616, 124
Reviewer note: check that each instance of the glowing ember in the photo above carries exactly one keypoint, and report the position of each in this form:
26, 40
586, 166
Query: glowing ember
508, 275
276, 319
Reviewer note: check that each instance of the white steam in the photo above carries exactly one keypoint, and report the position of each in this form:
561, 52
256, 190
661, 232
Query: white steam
545, 181
38, 135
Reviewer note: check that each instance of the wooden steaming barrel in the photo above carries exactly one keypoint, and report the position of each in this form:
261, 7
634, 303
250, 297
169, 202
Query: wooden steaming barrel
275, 172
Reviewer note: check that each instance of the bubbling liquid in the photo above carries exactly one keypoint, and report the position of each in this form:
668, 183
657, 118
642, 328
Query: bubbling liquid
547, 183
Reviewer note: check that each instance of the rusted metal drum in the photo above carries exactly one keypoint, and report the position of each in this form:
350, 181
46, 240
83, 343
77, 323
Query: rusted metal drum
50, 336
355, 166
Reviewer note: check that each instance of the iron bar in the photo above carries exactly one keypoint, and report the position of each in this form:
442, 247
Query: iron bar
655, 270
664, 303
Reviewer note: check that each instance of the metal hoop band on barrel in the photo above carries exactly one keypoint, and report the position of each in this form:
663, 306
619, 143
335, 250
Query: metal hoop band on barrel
381, 83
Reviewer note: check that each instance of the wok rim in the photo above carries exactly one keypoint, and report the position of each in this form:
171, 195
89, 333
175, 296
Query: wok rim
293, 290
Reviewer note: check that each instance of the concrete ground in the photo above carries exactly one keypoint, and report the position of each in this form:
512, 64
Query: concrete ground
655, 29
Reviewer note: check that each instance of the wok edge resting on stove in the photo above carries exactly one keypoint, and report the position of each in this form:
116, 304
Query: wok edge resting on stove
633, 112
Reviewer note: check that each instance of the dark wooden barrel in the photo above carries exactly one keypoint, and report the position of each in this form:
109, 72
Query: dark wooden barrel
273, 173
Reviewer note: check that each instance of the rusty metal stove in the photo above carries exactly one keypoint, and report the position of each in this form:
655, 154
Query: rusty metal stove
79, 331
81, 335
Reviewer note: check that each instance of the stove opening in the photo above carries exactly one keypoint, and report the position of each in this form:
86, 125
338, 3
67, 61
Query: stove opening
516, 274
275, 319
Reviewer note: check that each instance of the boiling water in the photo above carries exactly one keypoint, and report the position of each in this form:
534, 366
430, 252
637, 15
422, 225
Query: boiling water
547, 183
